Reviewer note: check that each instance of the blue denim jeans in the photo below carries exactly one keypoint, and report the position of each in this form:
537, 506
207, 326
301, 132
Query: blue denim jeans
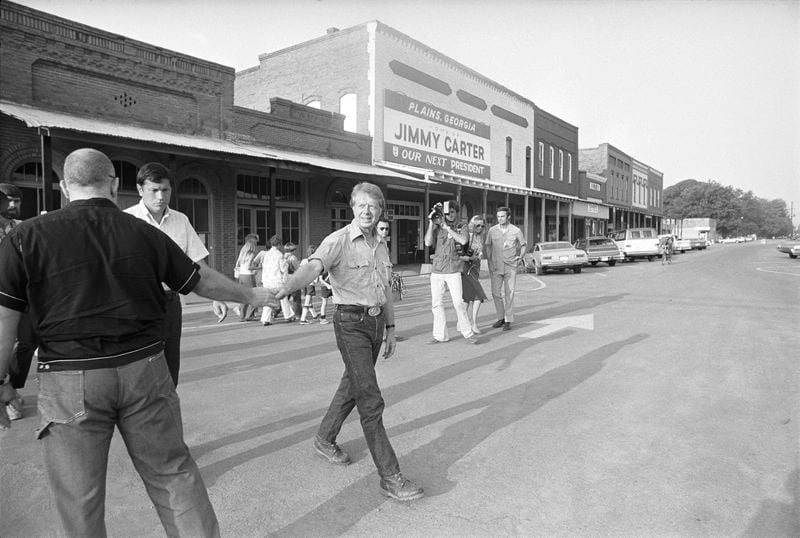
359, 336
79, 410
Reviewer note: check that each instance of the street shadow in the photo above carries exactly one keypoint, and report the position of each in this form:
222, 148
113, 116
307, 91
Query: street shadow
487, 416
260, 355
357, 448
777, 518
516, 348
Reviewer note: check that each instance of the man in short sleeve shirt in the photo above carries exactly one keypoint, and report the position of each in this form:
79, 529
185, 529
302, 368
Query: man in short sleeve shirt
92, 277
447, 235
505, 244
357, 261
155, 188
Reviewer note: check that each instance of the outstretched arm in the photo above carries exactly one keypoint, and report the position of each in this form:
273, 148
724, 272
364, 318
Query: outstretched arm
302, 277
215, 285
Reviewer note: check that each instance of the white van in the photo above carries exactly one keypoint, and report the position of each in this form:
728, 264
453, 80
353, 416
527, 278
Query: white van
637, 243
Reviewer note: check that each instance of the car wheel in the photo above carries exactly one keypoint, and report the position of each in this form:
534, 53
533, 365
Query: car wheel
577, 269
612, 263
792, 256
593, 263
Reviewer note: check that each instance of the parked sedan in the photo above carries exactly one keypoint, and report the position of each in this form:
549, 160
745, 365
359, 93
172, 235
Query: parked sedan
600, 249
555, 255
789, 247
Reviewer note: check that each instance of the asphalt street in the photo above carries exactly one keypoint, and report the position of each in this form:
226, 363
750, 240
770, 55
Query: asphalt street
636, 400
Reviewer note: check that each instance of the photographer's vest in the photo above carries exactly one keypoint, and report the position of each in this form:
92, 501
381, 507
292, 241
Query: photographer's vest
446, 259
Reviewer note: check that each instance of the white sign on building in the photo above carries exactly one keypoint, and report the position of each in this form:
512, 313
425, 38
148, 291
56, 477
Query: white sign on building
425, 136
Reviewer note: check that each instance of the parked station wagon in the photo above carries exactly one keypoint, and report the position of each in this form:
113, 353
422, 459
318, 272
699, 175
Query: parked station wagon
600, 249
638, 243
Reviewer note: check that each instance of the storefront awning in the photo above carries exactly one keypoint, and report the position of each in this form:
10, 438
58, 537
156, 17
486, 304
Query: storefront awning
60, 121
466, 181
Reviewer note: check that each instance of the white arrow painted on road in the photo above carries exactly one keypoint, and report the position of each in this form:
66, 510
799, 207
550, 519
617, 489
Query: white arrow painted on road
556, 324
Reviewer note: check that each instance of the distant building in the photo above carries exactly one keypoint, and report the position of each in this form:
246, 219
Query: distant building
695, 228
633, 189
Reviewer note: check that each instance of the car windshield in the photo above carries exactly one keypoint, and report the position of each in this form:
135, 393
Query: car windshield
556, 246
601, 242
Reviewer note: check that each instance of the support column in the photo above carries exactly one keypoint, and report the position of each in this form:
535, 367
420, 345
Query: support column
558, 220
543, 223
527, 230
47, 169
272, 222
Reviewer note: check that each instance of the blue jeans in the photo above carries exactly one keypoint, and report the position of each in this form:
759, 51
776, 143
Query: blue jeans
359, 338
79, 411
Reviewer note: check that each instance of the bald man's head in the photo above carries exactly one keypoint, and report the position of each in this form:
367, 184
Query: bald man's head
88, 167
88, 173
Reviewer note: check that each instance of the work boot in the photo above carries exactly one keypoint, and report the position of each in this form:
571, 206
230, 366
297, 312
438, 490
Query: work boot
499, 323
400, 488
331, 452
507, 326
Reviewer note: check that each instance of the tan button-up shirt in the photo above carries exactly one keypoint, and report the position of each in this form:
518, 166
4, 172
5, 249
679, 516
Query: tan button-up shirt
359, 273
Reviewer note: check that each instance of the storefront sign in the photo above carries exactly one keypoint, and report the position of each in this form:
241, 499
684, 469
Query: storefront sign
586, 209
419, 134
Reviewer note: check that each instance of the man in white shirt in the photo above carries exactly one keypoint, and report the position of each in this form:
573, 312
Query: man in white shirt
505, 245
155, 188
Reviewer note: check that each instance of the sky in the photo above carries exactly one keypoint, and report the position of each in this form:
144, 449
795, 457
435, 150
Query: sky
706, 90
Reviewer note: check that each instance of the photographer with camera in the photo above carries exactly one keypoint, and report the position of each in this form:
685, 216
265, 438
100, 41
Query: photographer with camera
448, 237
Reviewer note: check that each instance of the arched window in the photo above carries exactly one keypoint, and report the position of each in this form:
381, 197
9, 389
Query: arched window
126, 172
29, 178
348, 106
314, 104
128, 194
192, 200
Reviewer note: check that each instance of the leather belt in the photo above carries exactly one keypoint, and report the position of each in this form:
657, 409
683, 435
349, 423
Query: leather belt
369, 310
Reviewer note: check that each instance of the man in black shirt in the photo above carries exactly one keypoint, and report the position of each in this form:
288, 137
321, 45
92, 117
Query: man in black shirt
92, 277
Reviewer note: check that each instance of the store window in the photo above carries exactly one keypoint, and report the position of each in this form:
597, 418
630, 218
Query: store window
348, 107
192, 200
541, 159
28, 178
508, 153
528, 165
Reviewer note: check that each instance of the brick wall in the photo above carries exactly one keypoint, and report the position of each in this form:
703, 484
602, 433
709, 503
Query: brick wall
64, 65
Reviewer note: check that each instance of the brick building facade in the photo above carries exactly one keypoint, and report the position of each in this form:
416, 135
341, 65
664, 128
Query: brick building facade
64, 85
432, 117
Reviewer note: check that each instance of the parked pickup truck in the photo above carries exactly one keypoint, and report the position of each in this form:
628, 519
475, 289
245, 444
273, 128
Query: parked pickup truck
682, 245
698, 244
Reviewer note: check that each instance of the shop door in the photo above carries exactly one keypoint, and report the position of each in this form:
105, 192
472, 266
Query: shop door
252, 219
406, 237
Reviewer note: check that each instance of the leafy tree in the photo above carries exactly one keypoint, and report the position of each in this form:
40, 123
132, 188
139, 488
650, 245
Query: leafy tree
736, 212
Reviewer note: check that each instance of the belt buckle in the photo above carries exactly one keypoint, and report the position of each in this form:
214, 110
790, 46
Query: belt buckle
374, 311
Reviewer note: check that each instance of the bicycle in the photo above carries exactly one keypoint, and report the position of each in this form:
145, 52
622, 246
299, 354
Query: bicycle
666, 255
397, 286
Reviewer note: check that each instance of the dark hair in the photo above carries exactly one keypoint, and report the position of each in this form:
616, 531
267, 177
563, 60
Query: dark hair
506, 209
155, 172
10, 190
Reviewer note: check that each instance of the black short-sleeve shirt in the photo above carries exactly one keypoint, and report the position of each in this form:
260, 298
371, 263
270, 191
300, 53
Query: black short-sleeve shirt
91, 277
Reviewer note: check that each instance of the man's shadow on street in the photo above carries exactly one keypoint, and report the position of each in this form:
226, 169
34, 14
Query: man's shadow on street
434, 459
392, 394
